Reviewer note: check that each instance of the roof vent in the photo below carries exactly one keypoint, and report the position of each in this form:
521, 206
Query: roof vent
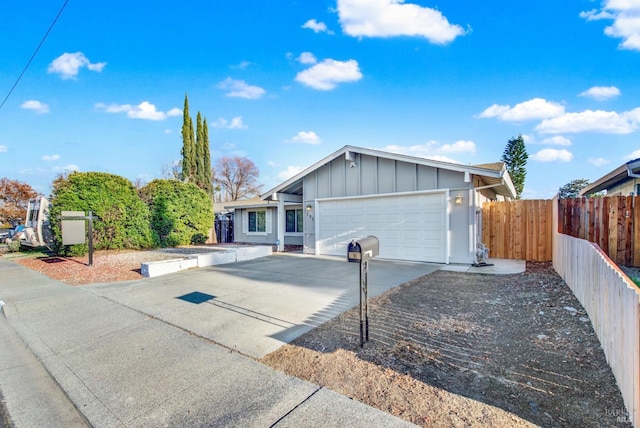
349, 156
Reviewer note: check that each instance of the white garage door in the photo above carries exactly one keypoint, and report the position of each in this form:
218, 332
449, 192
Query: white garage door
409, 227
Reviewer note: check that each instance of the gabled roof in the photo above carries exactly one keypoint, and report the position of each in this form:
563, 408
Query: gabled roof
621, 173
494, 174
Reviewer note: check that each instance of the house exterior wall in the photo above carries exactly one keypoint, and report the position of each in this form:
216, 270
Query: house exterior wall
374, 175
624, 188
242, 235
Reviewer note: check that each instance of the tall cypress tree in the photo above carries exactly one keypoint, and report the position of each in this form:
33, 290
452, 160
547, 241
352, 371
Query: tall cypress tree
188, 145
208, 179
199, 153
515, 157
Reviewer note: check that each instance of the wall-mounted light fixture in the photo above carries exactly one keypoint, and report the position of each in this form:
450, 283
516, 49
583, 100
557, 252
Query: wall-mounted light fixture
308, 207
458, 199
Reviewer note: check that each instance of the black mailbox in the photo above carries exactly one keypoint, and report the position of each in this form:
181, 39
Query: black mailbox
363, 250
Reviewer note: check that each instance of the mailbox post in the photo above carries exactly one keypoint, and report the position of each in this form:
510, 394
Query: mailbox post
361, 251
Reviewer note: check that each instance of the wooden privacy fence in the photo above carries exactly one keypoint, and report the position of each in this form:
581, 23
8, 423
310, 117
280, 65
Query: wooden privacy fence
612, 222
520, 230
613, 304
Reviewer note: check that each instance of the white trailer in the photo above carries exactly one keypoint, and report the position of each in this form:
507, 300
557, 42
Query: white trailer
37, 231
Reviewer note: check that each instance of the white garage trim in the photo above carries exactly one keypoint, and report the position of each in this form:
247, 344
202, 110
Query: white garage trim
410, 225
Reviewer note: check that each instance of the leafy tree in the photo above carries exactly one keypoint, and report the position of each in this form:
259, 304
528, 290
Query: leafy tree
572, 189
181, 213
237, 178
123, 219
14, 198
515, 157
188, 145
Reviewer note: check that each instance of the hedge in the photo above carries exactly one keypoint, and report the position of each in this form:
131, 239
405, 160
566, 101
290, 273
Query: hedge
181, 213
123, 219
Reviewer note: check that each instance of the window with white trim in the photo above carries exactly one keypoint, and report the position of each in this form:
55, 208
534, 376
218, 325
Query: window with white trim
257, 221
294, 221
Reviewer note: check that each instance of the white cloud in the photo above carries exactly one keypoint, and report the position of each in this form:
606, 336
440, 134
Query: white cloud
626, 21
50, 157
289, 172
326, 75
307, 58
68, 65
174, 112
459, 147
434, 150
528, 139
306, 137
36, 106
235, 123
272, 163
607, 122
633, 155
243, 65
389, 18
70, 167
552, 155
240, 89
556, 140
536, 108
598, 162
144, 110
601, 93
3, 149
317, 27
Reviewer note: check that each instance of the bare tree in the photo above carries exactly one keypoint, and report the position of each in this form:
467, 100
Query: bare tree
172, 171
237, 178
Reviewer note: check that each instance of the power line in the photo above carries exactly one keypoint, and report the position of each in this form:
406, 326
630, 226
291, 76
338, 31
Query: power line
34, 53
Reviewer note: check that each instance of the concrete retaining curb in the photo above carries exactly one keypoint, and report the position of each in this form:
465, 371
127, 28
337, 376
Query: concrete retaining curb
218, 257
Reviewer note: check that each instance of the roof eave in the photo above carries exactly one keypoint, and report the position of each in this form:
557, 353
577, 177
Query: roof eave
606, 181
404, 158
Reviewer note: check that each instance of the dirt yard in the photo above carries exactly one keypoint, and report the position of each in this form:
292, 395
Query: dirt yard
446, 350
456, 349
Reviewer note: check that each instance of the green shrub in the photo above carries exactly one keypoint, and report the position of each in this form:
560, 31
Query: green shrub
123, 219
181, 213
198, 239
14, 246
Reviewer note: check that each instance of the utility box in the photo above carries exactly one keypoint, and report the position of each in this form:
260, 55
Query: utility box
363, 250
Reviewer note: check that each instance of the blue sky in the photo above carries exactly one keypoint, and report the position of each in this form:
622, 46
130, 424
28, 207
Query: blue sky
287, 83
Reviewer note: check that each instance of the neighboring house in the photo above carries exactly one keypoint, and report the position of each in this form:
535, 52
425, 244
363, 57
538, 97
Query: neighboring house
419, 209
624, 180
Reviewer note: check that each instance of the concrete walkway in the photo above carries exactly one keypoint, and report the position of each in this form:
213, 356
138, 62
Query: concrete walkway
155, 353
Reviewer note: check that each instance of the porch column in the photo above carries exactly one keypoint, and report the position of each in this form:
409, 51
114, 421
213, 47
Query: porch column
281, 214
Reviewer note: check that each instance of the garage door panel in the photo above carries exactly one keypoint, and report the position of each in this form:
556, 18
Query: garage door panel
409, 227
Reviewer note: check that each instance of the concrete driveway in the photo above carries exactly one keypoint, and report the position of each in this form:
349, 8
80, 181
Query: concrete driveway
254, 307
